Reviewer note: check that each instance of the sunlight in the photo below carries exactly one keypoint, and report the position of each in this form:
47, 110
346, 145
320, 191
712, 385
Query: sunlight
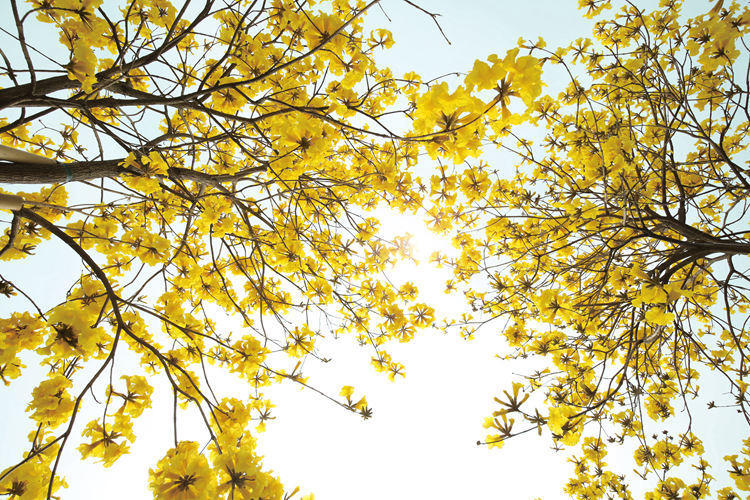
423, 243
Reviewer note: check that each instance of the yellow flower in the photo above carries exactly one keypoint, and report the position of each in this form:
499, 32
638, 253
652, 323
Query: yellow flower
347, 391
27, 482
137, 396
659, 316
51, 402
239, 473
82, 66
104, 440
183, 474
301, 341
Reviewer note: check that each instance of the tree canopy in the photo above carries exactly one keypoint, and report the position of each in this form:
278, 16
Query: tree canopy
617, 250
214, 167
211, 164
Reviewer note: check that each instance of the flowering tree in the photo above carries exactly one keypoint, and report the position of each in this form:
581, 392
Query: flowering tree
617, 252
211, 164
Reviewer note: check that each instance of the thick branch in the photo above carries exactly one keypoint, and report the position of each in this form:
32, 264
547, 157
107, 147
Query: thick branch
34, 173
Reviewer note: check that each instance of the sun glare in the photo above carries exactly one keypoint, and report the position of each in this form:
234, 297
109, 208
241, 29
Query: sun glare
422, 268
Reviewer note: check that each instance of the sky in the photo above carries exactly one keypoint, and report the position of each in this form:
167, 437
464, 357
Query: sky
421, 441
